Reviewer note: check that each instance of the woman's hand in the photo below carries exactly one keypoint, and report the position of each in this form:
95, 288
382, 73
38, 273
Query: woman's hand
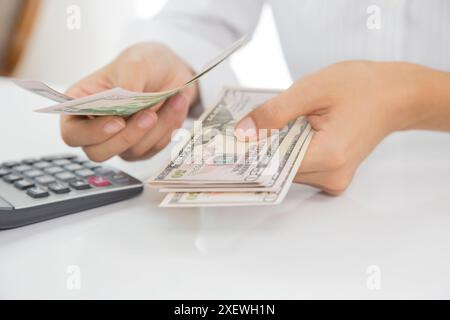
352, 106
145, 67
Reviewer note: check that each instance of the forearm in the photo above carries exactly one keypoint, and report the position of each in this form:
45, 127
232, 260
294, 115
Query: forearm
431, 110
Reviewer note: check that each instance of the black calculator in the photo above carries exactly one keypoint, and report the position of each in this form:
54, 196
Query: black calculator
34, 190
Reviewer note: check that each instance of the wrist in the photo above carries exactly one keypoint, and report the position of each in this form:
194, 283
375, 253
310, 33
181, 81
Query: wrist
429, 98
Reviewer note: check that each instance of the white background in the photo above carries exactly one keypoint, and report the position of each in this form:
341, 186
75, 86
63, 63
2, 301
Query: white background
61, 56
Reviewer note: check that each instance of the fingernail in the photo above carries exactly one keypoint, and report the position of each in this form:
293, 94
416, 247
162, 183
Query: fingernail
179, 102
146, 119
113, 126
246, 129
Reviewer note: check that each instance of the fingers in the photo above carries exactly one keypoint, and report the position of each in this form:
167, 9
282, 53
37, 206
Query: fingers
78, 131
326, 166
94, 83
331, 182
132, 77
139, 137
77, 92
318, 157
170, 118
303, 98
136, 128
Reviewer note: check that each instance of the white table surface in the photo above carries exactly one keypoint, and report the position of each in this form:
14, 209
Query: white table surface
396, 216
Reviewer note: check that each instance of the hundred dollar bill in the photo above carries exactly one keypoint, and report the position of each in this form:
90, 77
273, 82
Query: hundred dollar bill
212, 155
229, 199
118, 101
282, 163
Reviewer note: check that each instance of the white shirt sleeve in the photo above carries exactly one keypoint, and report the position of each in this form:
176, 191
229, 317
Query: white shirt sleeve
197, 31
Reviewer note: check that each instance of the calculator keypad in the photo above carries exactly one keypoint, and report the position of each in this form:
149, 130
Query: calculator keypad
57, 175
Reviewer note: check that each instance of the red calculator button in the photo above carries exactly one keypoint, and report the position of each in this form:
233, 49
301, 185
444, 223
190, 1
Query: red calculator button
98, 181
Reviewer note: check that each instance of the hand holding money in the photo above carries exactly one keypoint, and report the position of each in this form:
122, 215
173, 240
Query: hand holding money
352, 106
144, 67
147, 83
349, 108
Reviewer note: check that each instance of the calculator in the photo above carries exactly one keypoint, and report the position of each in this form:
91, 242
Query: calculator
34, 190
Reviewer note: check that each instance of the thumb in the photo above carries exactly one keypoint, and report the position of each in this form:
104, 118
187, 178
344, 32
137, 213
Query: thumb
299, 100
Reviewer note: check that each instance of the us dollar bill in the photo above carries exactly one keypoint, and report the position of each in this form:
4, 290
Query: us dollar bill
118, 101
280, 167
244, 198
213, 156
114, 102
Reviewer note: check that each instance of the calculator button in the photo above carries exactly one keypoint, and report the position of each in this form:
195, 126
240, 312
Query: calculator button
65, 176
80, 185
59, 157
85, 173
104, 171
61, 162
4, 172
99, 181
33, 174
30, 161
121, 178
42, 164
10, 164
5, 205
79, 160
58, 188
11, 178
22, 168
91, 165
45, 180
37, 193
73, 167
53, 170
24, 184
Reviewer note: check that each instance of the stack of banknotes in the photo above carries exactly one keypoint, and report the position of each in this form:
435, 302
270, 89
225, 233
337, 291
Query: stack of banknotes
211, 167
